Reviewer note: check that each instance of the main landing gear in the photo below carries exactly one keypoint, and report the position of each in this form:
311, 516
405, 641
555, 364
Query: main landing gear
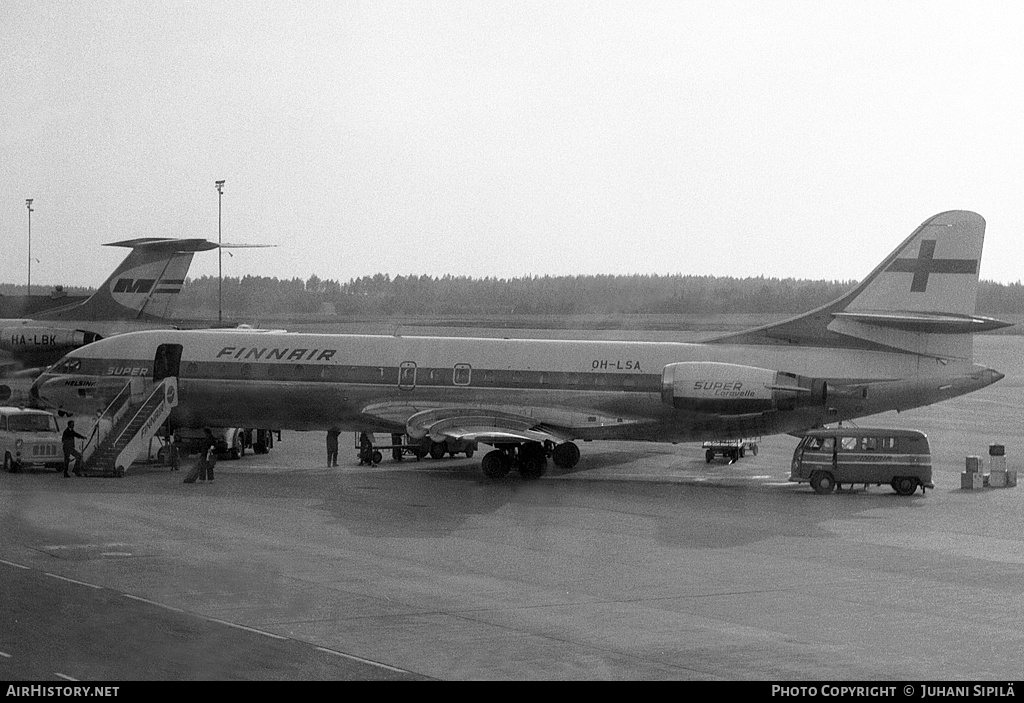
529, 458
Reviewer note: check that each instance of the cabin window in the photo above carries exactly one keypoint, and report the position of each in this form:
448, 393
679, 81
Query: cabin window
848, 443
407, 375
489, 377
462, 374
246, 370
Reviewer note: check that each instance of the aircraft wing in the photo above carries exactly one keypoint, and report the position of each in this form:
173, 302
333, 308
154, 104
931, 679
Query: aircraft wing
481, 425
488, 425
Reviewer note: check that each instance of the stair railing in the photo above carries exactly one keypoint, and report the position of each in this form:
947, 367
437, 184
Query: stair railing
165, 393
113, 412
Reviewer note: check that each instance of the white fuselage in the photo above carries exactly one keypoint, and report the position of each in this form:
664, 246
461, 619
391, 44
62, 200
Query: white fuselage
589, 389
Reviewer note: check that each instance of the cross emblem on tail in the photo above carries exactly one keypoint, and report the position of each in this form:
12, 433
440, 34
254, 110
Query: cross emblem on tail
926, 264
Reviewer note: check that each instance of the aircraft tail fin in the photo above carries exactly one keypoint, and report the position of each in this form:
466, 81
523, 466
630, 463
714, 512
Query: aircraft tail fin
144, 286
920, 299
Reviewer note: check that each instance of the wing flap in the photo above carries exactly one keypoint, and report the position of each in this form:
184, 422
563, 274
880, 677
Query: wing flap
478, 424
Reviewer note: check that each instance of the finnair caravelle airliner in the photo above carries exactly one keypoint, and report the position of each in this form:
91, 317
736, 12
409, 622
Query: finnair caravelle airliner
903, 338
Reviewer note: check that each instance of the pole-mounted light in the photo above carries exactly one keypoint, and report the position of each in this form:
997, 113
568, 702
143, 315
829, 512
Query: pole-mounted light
220, 268
28, 204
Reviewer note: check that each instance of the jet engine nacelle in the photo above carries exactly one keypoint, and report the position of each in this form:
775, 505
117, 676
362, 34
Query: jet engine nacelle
38, 339
732, 389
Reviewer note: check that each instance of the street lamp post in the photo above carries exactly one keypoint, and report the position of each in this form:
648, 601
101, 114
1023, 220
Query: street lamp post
220, 269
28, 203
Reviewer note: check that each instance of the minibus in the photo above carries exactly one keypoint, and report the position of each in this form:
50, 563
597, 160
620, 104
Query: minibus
827, 458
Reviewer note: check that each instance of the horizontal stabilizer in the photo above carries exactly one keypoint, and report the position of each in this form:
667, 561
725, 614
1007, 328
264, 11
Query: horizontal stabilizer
169, 244
927, 322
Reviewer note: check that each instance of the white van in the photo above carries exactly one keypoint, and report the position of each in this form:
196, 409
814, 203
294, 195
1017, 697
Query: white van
29, 438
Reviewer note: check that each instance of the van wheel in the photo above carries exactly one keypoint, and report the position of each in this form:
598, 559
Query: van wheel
709, 456
904, 485
753, 449
823, 482
8, 464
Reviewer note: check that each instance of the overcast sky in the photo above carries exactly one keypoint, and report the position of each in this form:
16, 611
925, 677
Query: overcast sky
785, 139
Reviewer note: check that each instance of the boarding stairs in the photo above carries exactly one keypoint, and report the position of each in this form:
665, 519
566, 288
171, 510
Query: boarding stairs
133, 418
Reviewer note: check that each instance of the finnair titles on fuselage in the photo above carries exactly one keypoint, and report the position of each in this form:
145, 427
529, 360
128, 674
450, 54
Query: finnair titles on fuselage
900, 339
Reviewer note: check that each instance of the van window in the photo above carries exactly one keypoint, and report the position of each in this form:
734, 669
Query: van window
820, 444
32, 423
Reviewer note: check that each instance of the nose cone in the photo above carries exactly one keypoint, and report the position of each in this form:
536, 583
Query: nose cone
38, 391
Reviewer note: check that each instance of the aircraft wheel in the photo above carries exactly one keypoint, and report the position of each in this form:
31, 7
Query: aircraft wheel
743, 452
709, 456
565, 455
376, 457
438, 450
532, 461
495, 464
823, 482
753, 449
904, 485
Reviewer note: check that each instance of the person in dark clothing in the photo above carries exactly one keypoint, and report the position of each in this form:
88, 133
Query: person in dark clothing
209, 457
365, 450
67, 440
332, 446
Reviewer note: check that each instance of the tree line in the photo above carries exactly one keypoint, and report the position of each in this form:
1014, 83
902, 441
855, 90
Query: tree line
382, 295
259, 297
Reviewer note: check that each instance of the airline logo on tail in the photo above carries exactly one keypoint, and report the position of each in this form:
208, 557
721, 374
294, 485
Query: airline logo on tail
145, 285
926, 264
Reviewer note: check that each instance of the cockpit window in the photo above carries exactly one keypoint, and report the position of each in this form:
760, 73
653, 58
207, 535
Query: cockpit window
69, 366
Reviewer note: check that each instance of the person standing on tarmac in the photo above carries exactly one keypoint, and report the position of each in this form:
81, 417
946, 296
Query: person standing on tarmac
365, 450
332, 446
67, 441
209, 459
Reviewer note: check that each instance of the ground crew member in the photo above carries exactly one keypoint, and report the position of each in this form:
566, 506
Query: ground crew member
332, 446
365, 450
209, 459
67, 440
